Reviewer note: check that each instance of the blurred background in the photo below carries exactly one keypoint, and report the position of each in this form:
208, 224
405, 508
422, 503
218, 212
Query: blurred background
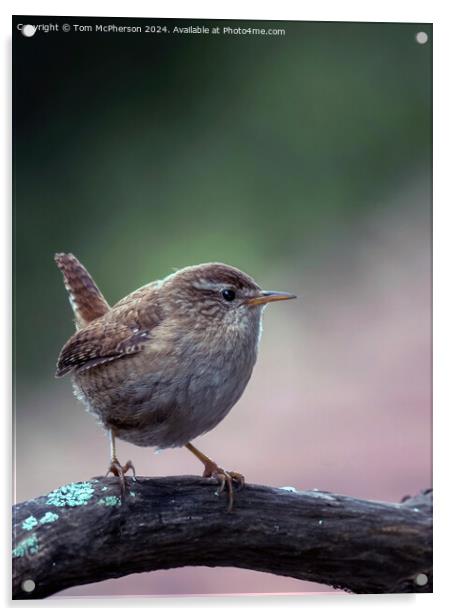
304, 160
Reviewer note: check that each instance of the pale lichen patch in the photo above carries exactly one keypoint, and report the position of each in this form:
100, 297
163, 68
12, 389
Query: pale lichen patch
26, 546
110, 501
71, 495
48, 518
29, 523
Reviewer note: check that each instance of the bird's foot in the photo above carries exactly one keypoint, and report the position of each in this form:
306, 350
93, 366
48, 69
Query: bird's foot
225, 479
118, 470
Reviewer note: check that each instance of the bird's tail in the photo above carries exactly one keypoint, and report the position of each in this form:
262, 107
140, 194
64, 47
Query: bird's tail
85, 297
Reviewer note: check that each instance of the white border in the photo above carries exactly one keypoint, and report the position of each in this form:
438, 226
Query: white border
326, 10
345, 10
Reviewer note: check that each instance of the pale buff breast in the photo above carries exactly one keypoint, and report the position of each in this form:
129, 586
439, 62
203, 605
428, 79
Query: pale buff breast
167, 399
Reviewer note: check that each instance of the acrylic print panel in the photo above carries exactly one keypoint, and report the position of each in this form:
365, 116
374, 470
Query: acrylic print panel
298, 153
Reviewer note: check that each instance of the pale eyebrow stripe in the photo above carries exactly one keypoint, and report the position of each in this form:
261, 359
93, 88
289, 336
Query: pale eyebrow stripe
205, 285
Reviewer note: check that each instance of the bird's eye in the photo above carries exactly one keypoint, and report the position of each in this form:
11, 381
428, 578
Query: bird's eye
228, 295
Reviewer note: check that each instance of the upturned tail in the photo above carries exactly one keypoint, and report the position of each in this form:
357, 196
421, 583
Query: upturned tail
85, 297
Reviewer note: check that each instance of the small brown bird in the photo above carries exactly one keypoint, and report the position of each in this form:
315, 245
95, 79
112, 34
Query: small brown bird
168, 362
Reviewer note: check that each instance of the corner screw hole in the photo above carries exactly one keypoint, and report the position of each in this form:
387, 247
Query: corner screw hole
28, 585
421, 38
28, 30
421, 579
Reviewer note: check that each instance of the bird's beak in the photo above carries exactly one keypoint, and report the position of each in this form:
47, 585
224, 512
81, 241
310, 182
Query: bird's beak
269, 296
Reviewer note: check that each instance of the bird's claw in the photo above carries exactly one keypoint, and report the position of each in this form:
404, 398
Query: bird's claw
118, 470
225, 478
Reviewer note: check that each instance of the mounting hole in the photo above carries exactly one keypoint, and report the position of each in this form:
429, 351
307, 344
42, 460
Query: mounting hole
28, 30
28, 585
421, 38
421, 579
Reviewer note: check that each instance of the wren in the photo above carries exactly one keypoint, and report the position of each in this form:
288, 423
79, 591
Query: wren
169, 361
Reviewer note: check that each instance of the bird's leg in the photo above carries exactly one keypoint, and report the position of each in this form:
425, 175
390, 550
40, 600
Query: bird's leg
115, 467
225, 478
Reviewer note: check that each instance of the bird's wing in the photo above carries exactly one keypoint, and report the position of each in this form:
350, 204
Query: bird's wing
120, 333
85, 297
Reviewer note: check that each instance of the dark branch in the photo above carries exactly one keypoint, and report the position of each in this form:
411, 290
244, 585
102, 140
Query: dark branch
357, 545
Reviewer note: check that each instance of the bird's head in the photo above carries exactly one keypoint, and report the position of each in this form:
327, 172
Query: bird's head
218, 293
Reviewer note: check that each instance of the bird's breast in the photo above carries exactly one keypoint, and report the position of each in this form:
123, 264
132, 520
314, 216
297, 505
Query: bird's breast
177, 388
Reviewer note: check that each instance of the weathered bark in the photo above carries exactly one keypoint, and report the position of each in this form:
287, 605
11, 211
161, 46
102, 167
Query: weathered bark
353, 544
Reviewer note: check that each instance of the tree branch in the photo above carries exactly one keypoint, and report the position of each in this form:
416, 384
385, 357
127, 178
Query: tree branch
83, 533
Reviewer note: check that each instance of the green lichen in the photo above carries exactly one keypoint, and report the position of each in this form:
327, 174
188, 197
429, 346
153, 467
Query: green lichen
104, 489
48, 518
26, 546
29, 523
71, 495
110, 501
132, 494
